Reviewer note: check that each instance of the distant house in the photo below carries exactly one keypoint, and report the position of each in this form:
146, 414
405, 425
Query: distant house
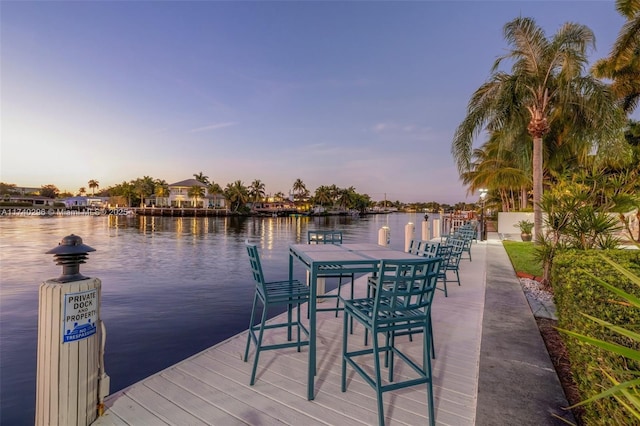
84, 201
179, 196
34, 200
274, 207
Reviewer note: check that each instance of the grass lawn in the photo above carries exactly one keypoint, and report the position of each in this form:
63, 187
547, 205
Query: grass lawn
522, 257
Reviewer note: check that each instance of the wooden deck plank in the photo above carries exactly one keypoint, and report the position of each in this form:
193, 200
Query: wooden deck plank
162, 405
174, 383
129, 411
212, 387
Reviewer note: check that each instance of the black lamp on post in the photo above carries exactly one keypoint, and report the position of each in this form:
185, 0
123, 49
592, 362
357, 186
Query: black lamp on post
483, 225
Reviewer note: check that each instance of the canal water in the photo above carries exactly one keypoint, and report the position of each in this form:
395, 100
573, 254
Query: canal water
171, 287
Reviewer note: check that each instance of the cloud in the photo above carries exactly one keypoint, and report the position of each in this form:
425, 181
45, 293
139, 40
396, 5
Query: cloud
214, 126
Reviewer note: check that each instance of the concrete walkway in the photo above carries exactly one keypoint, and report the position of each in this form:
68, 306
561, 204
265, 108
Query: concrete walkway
517, 384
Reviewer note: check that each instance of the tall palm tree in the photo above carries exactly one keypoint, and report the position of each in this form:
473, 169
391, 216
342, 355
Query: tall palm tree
500, 171
93, 184
214, 188
200, 177
256, 190
323, 195
236, 194
546, 84
144, 187
161, 189
623, 64
298, 188
196, 192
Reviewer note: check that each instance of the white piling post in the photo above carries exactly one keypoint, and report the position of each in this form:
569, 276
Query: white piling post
409, 230
384, 236
71, 383
320, 286
436, 228
426, 235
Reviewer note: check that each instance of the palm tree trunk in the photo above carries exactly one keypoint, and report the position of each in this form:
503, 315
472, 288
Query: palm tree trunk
523, 198
537, 185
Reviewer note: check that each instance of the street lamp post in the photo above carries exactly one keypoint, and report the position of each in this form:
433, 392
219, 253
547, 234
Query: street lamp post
483, 225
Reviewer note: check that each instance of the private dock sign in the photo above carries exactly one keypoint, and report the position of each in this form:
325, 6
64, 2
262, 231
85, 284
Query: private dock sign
80, 315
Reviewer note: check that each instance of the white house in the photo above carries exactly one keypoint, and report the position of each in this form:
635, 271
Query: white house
179, 196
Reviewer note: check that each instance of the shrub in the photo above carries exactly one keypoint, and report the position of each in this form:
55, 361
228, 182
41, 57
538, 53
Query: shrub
576, 293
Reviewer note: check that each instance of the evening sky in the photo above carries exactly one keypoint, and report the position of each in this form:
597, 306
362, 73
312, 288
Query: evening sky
362, 94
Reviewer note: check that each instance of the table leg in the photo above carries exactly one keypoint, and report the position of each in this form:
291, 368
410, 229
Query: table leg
313, 282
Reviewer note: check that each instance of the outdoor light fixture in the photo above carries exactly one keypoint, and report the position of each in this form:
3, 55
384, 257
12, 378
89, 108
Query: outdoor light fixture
483, 226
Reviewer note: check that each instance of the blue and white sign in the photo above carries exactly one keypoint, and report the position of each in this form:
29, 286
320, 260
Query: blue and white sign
80, 315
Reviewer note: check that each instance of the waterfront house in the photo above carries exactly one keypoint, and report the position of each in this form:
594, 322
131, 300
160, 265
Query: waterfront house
277, 208
81, 202
179, 196
34, 200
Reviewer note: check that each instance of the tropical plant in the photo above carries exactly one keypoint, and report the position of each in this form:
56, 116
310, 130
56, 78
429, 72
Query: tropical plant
144, 187
546, 85
161, 189
574, 219
322, 195
503, 170
346, 197
256, 191
525, 226
626, 393
623, 63
299, 189
196, 192
200, 177
82, 190
93, 185
236, 194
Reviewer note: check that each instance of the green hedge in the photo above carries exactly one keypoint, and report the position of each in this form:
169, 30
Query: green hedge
575, 292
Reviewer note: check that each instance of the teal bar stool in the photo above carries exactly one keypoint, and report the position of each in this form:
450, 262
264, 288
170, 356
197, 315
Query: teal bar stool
276, 293
331, 237
454, 248
466, 234
401, 304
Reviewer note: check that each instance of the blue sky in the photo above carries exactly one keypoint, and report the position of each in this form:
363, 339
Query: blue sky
362, 94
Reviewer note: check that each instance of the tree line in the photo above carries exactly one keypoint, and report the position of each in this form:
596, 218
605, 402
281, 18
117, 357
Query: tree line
238, 195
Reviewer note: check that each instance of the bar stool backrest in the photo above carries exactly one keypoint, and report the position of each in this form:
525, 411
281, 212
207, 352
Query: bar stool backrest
324, 237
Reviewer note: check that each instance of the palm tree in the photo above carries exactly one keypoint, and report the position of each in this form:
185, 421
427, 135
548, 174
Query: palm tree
256, 190
323, 195
236, 194
502, 170
347, 197
93, 184
214, 189
161, 189
127, 190
546, 85
298, 188
200, 177
144, 187
82, 190
623, 64
196, 192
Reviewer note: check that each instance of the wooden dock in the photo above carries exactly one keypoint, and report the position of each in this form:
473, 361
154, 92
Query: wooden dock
212, 387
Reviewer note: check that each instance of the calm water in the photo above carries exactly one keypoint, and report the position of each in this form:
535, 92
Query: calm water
171, 287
